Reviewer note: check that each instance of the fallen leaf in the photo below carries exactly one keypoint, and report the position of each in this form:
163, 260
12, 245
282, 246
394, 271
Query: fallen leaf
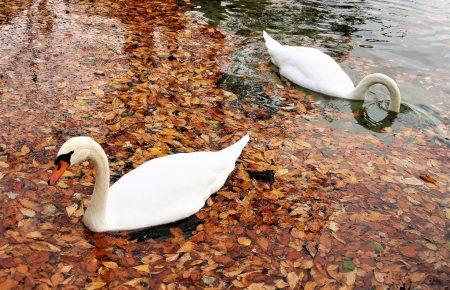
25, 150
186, 247
27, 212
143, 268
110, 264
71, 209
4, 164
244, 241
304, 144
34, 235
95, 285
292, 279
348, 265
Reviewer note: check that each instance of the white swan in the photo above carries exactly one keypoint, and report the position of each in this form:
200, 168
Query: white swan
160, 191
314, 70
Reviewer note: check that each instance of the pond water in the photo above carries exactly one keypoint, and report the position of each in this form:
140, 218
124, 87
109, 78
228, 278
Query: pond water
408, 41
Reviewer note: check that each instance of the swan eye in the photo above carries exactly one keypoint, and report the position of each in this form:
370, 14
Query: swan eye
63, 157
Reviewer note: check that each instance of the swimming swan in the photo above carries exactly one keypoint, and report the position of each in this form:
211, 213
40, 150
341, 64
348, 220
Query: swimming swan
314, 70
160, 191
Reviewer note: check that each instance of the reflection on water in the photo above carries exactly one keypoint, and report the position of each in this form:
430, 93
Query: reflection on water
408, 41
160, 233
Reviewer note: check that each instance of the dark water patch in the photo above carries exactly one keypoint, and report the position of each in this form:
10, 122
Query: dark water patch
264, 176
161, 233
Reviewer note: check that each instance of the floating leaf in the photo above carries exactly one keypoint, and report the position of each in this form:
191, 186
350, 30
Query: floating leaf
304, 144
244, 241
110, 264
143, 268
25, 150
186, 247
27, 212
292, 279
348, 265
208, 280
95, 285
447, 245
34, 235
378, 247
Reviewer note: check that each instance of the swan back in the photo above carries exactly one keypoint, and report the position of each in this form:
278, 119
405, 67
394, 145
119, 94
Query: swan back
169, 188
310, 68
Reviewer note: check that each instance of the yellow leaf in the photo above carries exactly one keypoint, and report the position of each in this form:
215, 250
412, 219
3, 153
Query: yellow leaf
66, 269
98, 92
35, 163
62, 84
34, 235
244, 241
280, 284
350, 278
95, 285
134, 282
352, 179
172, 257
304, 144
333, 226
111, 265
110, 116
71, 209
379, 276
27, 212
114, 127
53, 248
292, 279
186, 247
143, 268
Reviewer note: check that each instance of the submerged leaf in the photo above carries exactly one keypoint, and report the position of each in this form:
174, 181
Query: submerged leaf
348, 265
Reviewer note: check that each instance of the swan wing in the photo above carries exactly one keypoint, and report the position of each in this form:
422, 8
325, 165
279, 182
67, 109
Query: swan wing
169, 188
312, 69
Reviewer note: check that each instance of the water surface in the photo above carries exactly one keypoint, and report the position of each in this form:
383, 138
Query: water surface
406, 40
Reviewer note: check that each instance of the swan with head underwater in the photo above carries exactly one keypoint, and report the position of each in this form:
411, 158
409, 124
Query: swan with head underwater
312, 69
160, 191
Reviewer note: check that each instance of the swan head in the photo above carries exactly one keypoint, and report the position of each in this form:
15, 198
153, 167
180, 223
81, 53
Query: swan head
72, 152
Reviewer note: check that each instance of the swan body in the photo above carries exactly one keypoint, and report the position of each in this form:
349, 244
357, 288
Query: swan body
312, 69
160, 191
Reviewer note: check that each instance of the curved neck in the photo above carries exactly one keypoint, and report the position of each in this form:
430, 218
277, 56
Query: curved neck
361, 89
97, 205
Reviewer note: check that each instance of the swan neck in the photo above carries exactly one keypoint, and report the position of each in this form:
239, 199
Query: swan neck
101, 168
359, 93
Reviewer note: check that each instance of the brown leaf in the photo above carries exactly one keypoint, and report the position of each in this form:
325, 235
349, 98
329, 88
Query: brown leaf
418, 276
428, 178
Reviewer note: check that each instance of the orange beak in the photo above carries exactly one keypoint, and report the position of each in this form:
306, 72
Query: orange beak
62, 166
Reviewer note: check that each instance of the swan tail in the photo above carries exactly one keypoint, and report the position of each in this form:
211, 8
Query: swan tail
270, 42
235, 150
